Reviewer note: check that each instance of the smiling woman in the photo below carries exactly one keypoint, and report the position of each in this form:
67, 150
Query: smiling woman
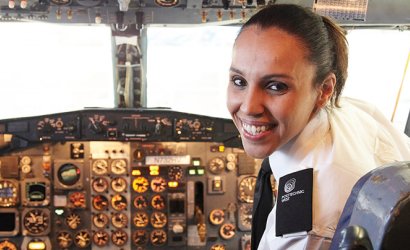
48, 68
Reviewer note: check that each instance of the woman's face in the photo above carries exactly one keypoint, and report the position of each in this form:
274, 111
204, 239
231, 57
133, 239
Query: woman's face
271, 95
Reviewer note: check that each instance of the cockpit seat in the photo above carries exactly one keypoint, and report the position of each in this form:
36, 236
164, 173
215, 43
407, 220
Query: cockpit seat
377, 212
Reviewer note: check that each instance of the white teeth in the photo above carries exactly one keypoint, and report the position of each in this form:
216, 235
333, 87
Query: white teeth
254, 130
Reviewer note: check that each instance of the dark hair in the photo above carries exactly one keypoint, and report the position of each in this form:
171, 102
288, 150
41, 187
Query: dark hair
324, 39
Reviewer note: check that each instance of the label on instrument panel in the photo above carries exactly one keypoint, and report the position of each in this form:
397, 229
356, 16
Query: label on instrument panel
168, 160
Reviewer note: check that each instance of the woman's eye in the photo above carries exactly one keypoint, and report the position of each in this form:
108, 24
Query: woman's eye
278, 86
238, 82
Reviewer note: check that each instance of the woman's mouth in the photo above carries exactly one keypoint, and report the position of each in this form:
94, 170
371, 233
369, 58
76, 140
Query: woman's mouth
255, 129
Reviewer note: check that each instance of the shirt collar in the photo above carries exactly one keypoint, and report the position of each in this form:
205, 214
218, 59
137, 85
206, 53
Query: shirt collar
287, 159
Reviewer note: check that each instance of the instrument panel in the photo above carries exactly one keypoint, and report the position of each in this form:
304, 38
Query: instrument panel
124, 179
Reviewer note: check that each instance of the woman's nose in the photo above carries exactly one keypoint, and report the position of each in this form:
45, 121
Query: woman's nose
252, 103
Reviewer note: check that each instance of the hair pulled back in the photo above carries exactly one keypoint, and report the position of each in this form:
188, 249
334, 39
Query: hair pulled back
324, 40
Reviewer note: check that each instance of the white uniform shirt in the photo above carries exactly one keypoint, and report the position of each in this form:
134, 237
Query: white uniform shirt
341, 145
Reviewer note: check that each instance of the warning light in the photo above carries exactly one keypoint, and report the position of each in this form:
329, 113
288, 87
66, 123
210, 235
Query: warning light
154, 170
36, 245
201, 171
196, 162
221, 148
192, 171
59, 211
136, 172
172, 184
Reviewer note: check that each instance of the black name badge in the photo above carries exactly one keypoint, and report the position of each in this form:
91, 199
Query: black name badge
294, 204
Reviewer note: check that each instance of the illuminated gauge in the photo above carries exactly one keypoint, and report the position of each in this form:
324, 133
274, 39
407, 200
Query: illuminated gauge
73, 221
119, 166
175, 173
158, 184
158, 202
227, 231
245, 217
119, 237
8, 193
100, 202
68, 174
119, 220
25, 160
158, 237
216, 165
167, 3
100, 185
158, 219
37, 193
140, 238
77, 199
140, 202
231, 157
140, 184
247, 189
119, 202
118, 184
100, 167
64, 239
101, 238
140, 219
36, 244
231, 165
100, 220
217, 216
82, 239
7, 245
36, 221
61, 2
218, 246
139, 155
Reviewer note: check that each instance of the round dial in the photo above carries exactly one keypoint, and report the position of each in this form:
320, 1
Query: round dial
119, 166
247, 189
119, 220
216, 165
100, 185
158, 202
231, 157
218, 246
118, 184
73, 221
227, 231
158, 219
8, 193
175, 173
140, 184
140, 202
140, 237
100, 202
245, 216
119, 202
68, 174
77, 199
100, 238
158, 237
100, 167
217, 216
140, 219
36, 221
158, 184
82, 239
7, 245
64, 239
100, 220
231, 165
119, 238
97, 123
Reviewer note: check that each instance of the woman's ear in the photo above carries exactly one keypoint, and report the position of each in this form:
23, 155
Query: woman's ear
325, 90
